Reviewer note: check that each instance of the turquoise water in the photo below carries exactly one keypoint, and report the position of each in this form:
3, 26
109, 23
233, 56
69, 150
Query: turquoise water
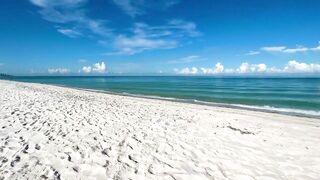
301, 95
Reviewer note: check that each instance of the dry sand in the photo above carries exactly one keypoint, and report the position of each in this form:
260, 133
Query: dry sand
50, 132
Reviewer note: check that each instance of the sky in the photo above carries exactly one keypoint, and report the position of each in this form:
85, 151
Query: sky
183, 37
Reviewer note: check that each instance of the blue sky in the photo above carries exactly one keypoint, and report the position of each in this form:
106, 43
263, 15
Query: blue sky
89, 37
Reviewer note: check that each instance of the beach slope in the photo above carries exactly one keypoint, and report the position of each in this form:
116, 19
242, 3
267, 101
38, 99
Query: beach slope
49, 132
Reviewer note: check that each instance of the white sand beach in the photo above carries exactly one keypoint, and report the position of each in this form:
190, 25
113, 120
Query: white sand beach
50, 132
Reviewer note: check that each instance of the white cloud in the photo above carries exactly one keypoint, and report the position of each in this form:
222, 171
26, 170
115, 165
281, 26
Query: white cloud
145, 37
129, 7
251, 68
175, 28
72, 12
187, 71
97, 68
136, 44
139, 7
229, 71
70, 32
273, 49
246, 68
86, 69
51, 3
251, 53
188, 28
185, 60
284, 49
58, 70
72, 20
294, 50
217, 69
297, 67
316, 48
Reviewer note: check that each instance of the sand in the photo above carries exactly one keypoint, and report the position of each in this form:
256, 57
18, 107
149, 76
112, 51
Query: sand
50, 132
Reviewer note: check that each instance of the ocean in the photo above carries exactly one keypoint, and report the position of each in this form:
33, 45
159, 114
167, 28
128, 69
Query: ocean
299, 96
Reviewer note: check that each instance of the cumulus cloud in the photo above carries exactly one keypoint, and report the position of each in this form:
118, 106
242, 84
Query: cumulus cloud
251, 68
187, 71
217, 69
297, 67
58, 70
95, 68
246, 68
87, 69
99, 67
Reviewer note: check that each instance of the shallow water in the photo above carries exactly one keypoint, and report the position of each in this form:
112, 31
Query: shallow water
286, 94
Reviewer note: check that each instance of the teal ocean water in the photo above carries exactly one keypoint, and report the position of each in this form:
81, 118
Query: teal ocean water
289, 95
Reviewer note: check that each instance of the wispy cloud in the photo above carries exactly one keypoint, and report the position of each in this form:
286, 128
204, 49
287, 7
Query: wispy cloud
284, 49
185, 28
138, 7
70, 13
58, 70
70, 32
246, 68
137, 44
185, 60
175, 28
145, 37
251, 53
71, 19
95, 68
273, 48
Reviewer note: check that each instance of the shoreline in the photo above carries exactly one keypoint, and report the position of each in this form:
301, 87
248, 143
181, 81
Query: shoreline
54, 132
283, 111
212, 104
